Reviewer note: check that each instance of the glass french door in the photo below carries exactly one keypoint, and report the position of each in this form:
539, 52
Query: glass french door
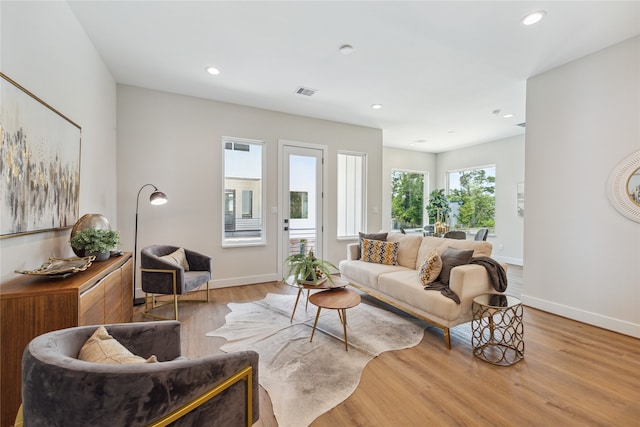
302, 200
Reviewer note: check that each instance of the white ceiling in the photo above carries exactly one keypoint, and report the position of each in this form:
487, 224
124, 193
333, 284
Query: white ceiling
436, 66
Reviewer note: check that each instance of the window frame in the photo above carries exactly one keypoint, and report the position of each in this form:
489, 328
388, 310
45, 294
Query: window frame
248, 241
467, 169
425, 195
342, 194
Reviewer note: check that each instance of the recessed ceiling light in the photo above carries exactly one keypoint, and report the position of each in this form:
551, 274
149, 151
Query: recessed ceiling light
376, 106
495, 112
420, 141
213, 71
533, 18
508, 116
346, 49
451, 132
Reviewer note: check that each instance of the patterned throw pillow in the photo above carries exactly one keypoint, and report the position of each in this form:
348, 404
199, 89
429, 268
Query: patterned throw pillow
430, 269
370, 236
380, 252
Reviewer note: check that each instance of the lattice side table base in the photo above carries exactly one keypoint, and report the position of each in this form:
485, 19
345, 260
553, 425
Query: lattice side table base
497, 334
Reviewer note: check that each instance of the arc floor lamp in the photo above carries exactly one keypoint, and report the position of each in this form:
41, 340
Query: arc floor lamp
156, 198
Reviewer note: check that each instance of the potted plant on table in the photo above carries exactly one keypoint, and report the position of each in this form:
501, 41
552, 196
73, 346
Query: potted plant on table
95, 242
309, 270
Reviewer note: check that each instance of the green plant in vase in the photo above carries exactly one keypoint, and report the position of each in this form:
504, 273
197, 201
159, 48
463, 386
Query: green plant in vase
308, 268
95, 242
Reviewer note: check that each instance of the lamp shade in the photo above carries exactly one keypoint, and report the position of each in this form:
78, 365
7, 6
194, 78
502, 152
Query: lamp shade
158, 198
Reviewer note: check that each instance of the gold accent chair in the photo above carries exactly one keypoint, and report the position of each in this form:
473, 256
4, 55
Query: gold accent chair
58, 389
162, 276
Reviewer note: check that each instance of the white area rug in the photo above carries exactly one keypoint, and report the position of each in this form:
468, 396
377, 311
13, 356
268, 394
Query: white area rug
305, 379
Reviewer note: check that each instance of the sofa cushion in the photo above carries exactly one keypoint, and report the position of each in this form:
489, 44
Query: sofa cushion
430, 268
103, 348
406, 286
367, 273
408, 248
379, 252
452, 257
430, 243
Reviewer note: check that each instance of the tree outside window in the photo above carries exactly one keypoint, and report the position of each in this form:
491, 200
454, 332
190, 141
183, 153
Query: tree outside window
407, 199
299, 204
472, 196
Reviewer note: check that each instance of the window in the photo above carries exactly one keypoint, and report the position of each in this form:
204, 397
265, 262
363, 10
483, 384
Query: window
407, 199
299, 208
472, 198
247, 203
243, 192
351, 194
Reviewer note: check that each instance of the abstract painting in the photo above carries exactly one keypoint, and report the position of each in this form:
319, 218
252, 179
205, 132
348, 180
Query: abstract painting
39, 164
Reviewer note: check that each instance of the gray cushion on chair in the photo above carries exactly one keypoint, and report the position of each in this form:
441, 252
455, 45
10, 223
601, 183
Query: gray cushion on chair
162, 283
60, 390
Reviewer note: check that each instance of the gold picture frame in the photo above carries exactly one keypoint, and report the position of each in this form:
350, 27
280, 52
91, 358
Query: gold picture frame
39, 164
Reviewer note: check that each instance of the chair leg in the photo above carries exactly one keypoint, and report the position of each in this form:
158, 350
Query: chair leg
208, 291
175, 306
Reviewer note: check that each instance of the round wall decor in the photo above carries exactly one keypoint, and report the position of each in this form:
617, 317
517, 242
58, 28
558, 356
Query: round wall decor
623, 187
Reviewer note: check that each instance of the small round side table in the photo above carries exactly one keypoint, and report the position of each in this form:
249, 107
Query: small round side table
497, 330
336, 299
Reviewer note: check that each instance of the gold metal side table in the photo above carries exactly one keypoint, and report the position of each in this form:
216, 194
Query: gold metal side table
497, 329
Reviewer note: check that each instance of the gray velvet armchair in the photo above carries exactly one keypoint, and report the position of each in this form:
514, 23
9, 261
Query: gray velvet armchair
159, 276
60, 390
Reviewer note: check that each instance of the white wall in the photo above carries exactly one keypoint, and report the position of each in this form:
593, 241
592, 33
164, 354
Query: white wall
508, 157
406, 160
582, 256
45, 50
174, 142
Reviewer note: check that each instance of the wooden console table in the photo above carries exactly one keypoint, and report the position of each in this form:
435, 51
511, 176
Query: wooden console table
33, 305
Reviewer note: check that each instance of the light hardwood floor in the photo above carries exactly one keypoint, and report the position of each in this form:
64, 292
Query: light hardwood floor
572, 374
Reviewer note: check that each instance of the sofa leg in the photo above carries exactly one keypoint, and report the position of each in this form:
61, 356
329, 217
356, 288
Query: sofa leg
447, 338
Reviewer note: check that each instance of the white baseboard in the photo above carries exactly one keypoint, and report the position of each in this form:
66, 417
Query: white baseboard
605, 322
246, 280
508, 260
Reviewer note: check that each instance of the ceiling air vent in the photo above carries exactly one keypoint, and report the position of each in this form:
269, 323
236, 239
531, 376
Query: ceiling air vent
523, 124
305, 91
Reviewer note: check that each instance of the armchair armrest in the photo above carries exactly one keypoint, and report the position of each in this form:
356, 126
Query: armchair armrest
211, 372
158, 275
198, 261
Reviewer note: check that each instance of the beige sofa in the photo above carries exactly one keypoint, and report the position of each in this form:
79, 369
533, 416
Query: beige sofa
400, 285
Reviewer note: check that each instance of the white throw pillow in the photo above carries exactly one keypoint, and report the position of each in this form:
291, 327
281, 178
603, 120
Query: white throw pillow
179, 258
103, 348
